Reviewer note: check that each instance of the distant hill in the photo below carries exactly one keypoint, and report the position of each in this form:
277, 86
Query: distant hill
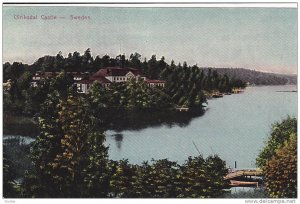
256, 77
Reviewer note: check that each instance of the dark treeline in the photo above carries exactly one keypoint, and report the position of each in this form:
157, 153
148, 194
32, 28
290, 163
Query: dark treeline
255, 77
186, 86
152, 68
84, 63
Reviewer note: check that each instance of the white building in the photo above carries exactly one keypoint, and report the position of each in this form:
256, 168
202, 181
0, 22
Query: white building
105, 77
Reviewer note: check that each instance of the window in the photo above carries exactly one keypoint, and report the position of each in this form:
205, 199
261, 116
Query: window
79, 87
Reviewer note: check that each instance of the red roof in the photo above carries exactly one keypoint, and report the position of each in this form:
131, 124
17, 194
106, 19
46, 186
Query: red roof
155, 81
101, 80
116, 71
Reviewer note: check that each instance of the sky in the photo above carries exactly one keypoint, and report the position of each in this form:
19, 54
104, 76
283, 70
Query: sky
263, 39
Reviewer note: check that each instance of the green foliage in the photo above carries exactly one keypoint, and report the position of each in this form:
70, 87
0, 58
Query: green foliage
129, 96
255, 77
13, 71
280, 133
19, 125
278, 160
10, 189
68, 156
25, 99
197, 178
16, 152
124, 179
281, 171
70, 160
185, 85
159, 179
203, 177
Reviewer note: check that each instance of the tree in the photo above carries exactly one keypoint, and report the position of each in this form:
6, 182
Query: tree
97, 64
280, 133
76, 62
17, 69
6, 71
58, 62
123, 180
106, 61
45, 64
278, 160
122, 62
87, 61
280, 172
135, 60
158, 180
69, 157
202, 178
68, 65
24, 81
153, 69
197, 178
9, 175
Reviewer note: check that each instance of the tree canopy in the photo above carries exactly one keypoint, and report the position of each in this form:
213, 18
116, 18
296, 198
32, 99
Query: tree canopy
278, 160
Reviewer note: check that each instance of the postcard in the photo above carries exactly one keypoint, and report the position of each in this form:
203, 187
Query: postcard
161, 100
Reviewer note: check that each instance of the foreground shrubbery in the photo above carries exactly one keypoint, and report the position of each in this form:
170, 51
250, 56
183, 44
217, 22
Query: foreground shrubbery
70, 160
278, 160
196, 178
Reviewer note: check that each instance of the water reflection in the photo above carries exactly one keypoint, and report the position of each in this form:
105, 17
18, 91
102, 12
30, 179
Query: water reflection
118, 138
234, 127
144, 119
16, 140
17, 149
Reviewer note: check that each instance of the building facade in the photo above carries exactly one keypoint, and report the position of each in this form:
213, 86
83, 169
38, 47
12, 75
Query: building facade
105, 77
110, 75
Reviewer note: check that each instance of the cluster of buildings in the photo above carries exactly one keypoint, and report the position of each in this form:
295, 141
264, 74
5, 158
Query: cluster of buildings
105, 77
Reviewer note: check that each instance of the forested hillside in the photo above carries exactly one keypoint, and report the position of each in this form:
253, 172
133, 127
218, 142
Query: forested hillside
153, 68
256, 77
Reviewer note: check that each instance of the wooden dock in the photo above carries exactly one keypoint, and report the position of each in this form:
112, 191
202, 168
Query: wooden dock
244, 178
234, 183
243, 172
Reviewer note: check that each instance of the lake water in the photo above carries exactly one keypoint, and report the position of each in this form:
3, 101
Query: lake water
22, 139
234, 127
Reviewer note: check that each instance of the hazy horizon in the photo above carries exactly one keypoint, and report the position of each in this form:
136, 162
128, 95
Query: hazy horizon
261, 39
